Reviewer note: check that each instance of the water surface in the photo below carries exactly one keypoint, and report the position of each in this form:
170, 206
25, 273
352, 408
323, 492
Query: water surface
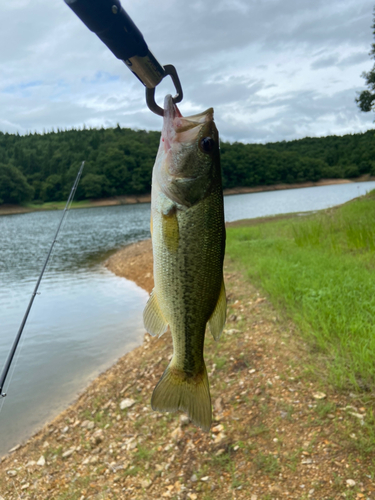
84, 319
251, 205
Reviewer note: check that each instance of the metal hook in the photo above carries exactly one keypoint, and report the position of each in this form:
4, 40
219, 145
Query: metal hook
150, 93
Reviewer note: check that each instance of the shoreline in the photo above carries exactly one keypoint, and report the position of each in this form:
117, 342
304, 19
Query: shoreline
146, 198
133, 262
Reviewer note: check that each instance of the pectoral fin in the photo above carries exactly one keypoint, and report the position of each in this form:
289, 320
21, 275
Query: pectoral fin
217, 319
153, 318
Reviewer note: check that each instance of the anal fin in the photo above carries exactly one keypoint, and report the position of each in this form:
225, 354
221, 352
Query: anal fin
153, 318
218, 317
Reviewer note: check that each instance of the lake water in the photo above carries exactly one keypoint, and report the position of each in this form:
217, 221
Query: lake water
86, 317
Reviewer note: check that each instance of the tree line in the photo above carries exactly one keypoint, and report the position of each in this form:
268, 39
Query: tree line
42, 167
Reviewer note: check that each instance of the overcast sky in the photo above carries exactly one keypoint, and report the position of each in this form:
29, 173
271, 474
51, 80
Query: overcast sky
272, 69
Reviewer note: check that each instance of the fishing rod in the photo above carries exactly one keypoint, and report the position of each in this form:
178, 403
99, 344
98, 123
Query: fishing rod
109, 21
23, 323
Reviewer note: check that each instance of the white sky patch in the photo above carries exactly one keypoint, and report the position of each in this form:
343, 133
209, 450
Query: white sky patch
272, 69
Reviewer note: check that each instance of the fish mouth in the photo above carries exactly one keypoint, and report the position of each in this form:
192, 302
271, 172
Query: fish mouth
181, 129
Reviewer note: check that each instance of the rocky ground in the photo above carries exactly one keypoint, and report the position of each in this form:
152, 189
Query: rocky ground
279, 430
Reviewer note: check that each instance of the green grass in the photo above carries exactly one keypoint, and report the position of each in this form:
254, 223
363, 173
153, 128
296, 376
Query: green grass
319, 270
268, 464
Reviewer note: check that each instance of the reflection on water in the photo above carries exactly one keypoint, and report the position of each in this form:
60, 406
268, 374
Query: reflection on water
85, 317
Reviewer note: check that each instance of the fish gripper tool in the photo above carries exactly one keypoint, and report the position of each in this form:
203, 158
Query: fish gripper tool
109, 21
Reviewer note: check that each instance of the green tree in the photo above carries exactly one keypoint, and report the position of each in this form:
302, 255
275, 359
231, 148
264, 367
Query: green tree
14, 187
95, 186
51, 188
366, 99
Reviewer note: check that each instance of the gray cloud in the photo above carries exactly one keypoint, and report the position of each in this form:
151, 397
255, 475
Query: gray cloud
325, 62
258, 63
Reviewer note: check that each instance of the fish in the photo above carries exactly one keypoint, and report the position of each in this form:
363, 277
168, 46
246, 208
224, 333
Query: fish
188, 240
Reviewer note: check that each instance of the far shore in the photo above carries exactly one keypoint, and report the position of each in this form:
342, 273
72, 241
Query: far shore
146, 198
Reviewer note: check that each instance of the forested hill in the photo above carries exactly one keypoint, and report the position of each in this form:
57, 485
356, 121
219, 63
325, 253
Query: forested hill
42, 167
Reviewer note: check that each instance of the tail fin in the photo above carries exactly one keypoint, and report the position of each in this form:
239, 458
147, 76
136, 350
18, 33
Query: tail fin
176, 391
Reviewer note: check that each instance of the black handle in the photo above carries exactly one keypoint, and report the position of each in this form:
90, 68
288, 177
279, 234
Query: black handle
109, 21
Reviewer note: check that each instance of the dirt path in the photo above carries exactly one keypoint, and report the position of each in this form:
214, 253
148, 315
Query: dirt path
279, 432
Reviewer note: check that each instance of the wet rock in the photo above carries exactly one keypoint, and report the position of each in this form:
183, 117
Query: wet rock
126, 403
15, 448
41, 462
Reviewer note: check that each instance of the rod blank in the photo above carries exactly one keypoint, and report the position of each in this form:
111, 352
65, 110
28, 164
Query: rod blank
9, 360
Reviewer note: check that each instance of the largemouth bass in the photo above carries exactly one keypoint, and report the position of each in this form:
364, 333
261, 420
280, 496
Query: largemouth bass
188, 239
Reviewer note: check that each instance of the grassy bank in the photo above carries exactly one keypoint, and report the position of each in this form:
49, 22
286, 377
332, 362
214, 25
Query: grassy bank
319, 270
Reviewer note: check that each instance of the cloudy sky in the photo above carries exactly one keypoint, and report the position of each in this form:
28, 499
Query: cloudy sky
272, 69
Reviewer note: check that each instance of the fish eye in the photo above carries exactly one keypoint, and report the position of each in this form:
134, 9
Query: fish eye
207, 144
